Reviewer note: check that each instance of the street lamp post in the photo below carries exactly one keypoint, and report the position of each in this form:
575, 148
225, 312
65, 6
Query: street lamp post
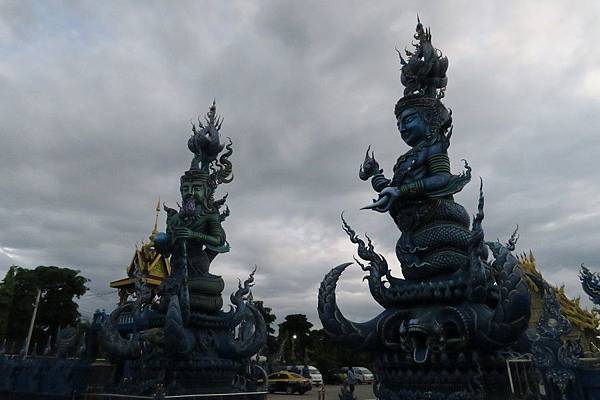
294, 337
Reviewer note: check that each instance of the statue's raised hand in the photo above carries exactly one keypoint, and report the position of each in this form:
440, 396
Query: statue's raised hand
387, 198
369, 167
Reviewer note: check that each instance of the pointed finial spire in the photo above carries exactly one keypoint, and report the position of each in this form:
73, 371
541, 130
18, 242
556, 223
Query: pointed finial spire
424, 73
212, 119
212, 112
155, 229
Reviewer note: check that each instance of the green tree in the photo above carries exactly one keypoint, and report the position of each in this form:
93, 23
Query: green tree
59, 286
7, 290
267, 314
269, 317
297, 329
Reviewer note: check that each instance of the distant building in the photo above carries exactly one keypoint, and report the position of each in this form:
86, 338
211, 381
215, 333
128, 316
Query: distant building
147, 267
585, 323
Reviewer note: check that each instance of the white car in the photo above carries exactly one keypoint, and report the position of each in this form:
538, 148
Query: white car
363, 375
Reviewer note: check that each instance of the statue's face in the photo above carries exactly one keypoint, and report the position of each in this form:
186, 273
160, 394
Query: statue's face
193, 189
412, 127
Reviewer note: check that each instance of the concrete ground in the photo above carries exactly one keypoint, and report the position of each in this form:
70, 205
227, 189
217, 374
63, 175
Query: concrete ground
362, 392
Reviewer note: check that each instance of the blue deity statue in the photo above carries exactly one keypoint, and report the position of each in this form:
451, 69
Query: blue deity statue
454, 309
435, 229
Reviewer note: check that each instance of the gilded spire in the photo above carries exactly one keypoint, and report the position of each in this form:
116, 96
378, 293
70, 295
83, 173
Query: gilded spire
155, 229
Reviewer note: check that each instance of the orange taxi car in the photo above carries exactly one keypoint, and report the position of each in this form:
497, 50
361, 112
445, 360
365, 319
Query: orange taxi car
288, 382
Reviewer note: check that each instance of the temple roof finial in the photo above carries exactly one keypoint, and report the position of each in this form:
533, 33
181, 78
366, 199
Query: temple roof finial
155, 229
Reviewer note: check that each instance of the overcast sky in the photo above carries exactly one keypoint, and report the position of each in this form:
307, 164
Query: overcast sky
97, 99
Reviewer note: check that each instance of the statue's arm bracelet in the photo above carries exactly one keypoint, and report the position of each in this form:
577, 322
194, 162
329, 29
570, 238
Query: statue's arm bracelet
200, 236
413, 188
379, 182
213, 240
439, 163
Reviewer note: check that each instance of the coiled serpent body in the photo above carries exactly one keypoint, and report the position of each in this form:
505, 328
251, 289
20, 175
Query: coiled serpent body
435, 237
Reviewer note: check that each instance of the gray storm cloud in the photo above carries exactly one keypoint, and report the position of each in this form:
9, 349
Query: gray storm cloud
97, 98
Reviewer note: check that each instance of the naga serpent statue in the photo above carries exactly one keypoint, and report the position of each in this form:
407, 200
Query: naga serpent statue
590, 282
456, 308
181, 340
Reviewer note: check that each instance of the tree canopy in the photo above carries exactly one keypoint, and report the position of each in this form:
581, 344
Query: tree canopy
295, 331
269, 317
267, 314
57, 308
314, 347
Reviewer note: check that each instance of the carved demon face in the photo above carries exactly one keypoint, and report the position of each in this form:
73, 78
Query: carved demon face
412, 126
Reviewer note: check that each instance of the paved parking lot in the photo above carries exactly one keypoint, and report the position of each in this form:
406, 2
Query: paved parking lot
362, 392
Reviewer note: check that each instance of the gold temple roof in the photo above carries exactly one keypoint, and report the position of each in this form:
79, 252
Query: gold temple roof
148, 264
580, 318
151, 265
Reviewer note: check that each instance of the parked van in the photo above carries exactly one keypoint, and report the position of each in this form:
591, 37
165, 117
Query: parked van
308, 371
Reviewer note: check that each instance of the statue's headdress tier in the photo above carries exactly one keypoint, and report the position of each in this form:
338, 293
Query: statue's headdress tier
206, 145
423, 75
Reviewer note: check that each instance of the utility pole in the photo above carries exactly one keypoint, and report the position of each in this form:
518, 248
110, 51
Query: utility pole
37, 303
